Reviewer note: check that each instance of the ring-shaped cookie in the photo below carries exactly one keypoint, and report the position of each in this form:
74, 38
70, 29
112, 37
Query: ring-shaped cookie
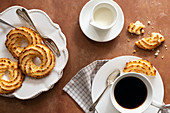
15, 76
15, 36
43, 53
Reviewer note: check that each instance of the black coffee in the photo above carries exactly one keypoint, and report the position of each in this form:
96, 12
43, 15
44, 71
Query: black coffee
130, 92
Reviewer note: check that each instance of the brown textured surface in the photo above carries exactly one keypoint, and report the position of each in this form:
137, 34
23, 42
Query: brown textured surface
83, 51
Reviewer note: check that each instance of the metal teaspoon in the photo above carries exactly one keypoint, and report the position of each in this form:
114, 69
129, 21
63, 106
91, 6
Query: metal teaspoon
4, 22
47, 41
109, 82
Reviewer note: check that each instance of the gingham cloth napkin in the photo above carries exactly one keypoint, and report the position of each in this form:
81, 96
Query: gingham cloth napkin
79, 87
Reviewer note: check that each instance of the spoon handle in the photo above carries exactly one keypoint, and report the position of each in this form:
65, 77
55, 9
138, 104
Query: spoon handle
96, 102
2, 21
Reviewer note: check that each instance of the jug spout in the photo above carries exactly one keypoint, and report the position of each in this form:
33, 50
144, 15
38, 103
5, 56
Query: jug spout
94, 24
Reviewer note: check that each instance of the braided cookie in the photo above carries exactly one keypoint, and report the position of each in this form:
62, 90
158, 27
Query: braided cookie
136, 28
15, 36
43, 53
140, 66
151, 42
15, 76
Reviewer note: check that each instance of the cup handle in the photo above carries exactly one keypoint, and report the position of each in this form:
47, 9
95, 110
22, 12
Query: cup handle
157, 104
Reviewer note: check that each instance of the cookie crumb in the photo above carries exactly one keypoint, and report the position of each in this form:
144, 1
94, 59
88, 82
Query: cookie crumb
162, 57
160, 31
128, 40
166, 47
134, 51
149, 22
152, 27
157, 53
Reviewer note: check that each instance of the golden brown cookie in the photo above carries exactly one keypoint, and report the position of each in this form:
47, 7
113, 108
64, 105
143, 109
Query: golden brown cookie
140, 66
136, 28
151, 42
43, 53
15, 76
15, 36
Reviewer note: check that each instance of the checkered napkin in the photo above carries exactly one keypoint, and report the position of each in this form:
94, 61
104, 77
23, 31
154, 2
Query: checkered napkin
79, 87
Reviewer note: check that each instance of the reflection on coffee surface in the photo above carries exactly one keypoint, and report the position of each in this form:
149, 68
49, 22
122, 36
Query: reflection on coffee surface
130, 92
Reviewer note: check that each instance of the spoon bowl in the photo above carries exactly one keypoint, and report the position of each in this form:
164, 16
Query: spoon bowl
47, 41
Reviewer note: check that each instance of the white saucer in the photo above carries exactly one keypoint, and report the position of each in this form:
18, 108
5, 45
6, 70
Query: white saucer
96, 34
99, 83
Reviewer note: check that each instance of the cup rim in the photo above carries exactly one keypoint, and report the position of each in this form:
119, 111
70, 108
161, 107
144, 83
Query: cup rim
113, 23
144, 105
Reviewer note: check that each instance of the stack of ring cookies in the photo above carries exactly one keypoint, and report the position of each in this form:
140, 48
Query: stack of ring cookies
25, 56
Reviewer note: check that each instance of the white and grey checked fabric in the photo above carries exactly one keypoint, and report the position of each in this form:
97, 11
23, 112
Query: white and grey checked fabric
79, 87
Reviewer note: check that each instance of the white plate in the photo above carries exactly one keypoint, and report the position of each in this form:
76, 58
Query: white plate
99, 83
96, 34
33, 87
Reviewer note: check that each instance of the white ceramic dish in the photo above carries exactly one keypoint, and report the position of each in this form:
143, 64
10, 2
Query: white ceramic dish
33, 87
97, 34
99, 83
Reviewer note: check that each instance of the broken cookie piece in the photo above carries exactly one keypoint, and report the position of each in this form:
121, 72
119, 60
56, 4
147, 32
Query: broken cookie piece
151, 42
136, 28
140, 66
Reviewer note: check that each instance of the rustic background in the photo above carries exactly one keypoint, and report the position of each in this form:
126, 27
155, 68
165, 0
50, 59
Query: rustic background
83, 51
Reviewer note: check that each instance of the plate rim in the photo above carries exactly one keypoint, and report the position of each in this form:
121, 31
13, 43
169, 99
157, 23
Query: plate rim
64, 50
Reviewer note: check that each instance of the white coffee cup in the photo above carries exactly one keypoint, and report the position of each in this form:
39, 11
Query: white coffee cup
103, 16
147, 102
